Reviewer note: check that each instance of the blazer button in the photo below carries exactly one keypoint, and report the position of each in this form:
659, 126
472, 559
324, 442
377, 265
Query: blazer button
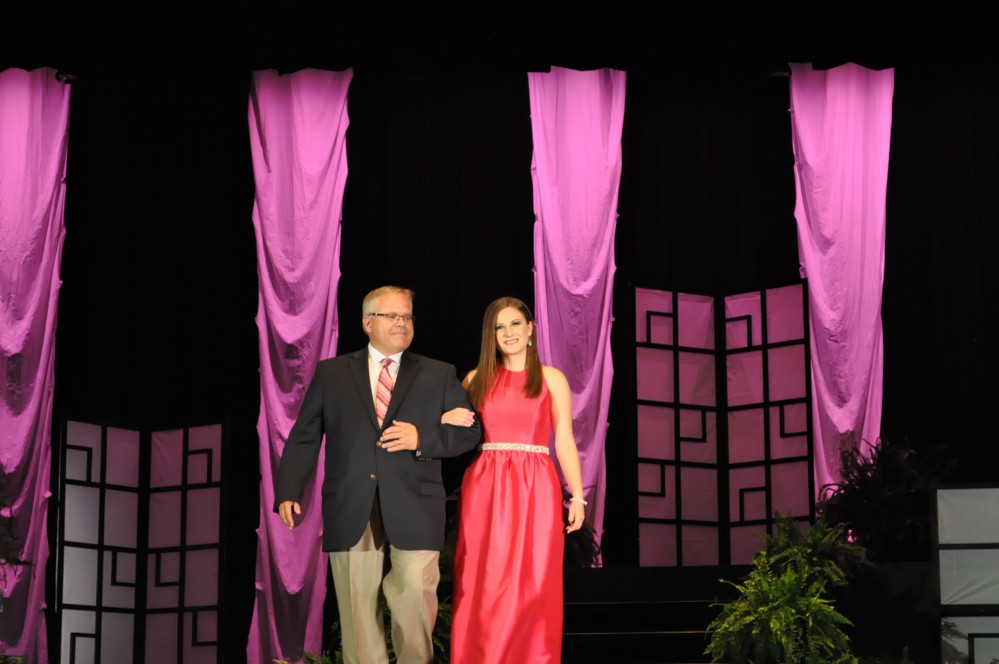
372, 476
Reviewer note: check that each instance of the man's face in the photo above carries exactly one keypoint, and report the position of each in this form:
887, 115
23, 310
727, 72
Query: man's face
390, 334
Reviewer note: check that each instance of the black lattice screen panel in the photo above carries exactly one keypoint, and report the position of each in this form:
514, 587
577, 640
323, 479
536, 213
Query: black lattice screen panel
140, 545
724, 417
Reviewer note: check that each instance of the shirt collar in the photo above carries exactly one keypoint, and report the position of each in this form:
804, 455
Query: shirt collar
377, 356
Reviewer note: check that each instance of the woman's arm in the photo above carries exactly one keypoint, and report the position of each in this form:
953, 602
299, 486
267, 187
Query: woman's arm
565, 444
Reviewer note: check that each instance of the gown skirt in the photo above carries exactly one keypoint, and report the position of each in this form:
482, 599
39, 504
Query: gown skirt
508, 555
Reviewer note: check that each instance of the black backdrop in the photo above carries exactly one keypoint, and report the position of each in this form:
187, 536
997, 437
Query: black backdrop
156, 315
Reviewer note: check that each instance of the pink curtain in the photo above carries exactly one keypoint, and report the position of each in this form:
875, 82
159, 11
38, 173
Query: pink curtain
34, 125
841, 130
576, 120
298, 125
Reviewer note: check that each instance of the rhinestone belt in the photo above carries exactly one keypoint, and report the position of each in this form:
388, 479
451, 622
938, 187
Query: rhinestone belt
517, 447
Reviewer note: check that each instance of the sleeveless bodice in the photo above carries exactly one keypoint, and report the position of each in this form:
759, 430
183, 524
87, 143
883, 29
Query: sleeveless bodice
508, 416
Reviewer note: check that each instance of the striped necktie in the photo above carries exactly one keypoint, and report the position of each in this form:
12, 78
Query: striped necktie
384, 392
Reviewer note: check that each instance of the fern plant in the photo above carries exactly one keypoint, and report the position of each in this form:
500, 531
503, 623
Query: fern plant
782, 612
884, 498
11, 547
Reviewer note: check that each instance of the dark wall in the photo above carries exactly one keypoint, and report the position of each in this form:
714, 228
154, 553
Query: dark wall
941, 282
156, 315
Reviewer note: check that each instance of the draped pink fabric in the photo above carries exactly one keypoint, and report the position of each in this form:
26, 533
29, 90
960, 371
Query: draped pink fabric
298, 126
841, 130
34, 125
576, 120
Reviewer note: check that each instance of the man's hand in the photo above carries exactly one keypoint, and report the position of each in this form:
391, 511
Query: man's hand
400, 436
285, 510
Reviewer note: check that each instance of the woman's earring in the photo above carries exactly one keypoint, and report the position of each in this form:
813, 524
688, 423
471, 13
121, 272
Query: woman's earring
530, 343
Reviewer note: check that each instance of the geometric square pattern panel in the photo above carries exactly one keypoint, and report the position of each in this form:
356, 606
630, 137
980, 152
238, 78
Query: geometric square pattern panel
970, 639
183, 551
768, 414
677, 417
723, 414
967, 551
98, 541
140, 545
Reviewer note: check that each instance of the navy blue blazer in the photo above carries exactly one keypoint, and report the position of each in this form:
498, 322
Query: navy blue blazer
338, 405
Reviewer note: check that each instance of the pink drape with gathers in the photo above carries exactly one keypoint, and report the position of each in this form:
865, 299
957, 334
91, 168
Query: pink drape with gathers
841, 130
298, 126
576, 121
34, 126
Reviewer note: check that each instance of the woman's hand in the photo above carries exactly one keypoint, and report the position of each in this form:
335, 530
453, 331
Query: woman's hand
459, 417
576, 517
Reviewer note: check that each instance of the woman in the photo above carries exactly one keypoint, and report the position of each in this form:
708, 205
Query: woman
508, 557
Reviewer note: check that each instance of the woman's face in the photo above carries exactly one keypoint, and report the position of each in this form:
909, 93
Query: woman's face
513, 330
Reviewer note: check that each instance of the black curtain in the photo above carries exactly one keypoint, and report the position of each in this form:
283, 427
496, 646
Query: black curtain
706, 207
156, 313
156, 321
156, 310
941, 279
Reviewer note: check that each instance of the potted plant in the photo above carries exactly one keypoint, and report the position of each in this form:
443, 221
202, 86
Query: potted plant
10, 546
884, 499
783, 612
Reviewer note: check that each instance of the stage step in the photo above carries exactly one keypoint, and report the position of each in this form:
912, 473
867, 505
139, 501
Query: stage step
642, 615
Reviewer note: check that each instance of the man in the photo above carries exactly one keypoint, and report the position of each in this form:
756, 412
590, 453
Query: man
383, 487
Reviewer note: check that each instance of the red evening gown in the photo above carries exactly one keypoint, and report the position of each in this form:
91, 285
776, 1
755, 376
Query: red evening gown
508, 556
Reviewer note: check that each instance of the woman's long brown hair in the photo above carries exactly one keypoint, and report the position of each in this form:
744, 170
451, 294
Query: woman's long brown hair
489, 354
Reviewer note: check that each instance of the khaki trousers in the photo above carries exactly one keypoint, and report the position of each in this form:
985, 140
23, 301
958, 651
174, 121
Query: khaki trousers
410, 589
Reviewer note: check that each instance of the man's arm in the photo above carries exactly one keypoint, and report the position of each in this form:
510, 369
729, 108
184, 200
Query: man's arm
448, 440
300, 455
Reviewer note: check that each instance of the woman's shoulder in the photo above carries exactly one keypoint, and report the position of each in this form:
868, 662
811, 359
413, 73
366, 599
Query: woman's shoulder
551, 371
553, 376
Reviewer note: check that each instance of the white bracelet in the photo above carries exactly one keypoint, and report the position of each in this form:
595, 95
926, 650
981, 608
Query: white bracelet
574, 499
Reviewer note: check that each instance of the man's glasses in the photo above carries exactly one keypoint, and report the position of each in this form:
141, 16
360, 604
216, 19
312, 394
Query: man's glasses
395, 318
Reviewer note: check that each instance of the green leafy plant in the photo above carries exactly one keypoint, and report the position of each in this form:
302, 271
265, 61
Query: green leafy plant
884, 502
782, 612
884, 498
311, 658
889, 659
10, 546
951, 635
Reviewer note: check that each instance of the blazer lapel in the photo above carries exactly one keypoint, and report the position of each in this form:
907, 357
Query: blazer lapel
359, 369
409, 366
